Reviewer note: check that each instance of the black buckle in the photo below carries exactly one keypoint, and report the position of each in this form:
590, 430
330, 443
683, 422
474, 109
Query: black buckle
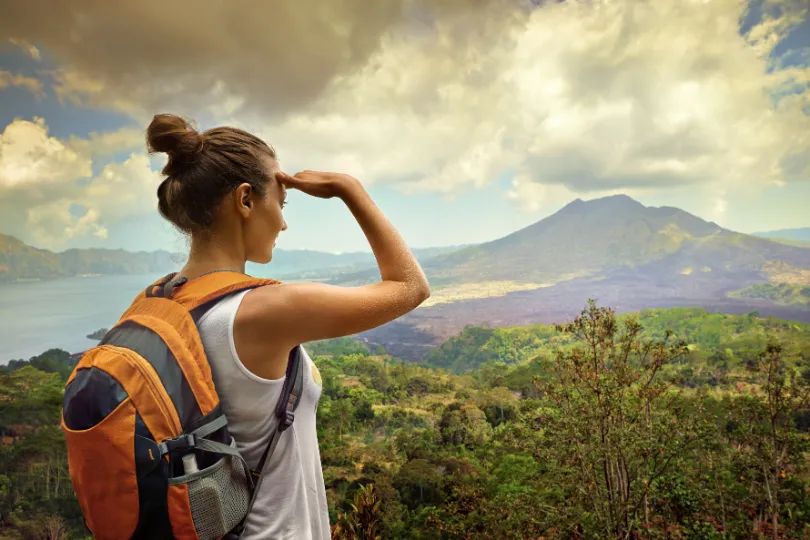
156, 289
287, 420
170, 286
187, 440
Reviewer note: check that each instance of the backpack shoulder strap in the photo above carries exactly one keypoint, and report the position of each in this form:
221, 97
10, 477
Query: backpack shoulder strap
197, 293
285, 407
285, 414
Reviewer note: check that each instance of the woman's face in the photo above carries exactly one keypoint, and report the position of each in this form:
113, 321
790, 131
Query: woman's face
265, 220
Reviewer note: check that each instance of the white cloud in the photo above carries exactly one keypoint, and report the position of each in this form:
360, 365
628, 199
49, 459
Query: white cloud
43, 180
532, 196
53, 224
31, 84
123, 190
29, 156
125, 139
586, 98
577, 98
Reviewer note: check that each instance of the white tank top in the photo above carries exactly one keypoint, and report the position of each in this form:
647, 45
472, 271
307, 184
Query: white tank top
291, 503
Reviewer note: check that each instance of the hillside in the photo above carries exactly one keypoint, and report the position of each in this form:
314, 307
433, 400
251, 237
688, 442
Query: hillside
613, 249
735, 336
781, 293
586, 238
20, 261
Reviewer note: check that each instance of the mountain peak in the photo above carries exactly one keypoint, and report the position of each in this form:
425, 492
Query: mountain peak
620, 199
607, 221
611, 203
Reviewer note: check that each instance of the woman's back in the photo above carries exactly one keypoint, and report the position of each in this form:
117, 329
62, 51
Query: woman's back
292, 499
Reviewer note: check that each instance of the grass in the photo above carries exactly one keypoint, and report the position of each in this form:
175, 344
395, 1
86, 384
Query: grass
781, 272
484, 289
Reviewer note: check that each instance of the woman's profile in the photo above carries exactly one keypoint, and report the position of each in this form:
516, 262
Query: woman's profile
223, 187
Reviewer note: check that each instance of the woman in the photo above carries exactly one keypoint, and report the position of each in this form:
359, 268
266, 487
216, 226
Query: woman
224, 188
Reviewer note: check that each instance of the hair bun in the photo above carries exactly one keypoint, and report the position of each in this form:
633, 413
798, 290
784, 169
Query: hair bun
172, 135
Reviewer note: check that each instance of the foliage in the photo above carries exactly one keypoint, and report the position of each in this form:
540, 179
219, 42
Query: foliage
782, 293
622, 424
36, 496
51, 361
773, 449
671, 423
363, 520
737, 337
336, 347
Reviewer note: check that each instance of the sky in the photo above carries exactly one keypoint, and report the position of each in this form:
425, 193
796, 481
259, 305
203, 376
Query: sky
465, 119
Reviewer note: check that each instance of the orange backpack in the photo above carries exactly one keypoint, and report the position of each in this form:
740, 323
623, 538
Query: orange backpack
139, 405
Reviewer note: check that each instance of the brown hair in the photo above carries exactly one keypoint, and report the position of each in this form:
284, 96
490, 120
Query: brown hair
203, 168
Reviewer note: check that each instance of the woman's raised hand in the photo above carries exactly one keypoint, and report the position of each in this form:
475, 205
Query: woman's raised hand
324, 185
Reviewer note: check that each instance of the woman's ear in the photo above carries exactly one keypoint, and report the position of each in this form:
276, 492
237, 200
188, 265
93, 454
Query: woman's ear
244, 199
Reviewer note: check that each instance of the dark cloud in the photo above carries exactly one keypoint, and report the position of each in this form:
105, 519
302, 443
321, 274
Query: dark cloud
278, 56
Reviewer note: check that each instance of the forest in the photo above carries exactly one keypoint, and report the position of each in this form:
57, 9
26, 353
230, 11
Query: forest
668, 423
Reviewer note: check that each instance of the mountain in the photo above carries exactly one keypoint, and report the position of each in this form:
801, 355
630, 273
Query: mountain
20, 261
791, 236
310, 264
580, 239
588, 238
614, 249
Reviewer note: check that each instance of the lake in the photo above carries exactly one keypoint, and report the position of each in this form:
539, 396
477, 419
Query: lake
37, 316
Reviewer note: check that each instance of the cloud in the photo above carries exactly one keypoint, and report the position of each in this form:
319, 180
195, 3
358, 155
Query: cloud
29, 156
576, 97
32, 51
44, 179
52, 224
581, 98
280, 55
110, 142
31, 84
533, 196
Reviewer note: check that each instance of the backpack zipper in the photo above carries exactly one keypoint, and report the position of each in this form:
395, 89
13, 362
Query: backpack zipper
155, 387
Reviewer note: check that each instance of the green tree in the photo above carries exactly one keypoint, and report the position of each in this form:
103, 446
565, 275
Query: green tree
363, 521
772, 449
464, 424
618, 425
419, 482
38, 499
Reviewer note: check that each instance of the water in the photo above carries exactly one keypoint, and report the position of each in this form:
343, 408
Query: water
38, 316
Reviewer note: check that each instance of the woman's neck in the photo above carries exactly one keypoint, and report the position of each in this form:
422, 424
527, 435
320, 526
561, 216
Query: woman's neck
209, 255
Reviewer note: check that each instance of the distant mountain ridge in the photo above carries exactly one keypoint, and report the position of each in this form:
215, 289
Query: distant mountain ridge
20, 261
603, 236
595, 239
801, 235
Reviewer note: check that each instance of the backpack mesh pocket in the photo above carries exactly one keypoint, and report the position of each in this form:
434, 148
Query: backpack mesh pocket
219, 496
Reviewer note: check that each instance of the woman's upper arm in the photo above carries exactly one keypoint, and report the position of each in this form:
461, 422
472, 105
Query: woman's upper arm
294, 313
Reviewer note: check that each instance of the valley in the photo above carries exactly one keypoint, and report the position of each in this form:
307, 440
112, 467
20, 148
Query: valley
612, 249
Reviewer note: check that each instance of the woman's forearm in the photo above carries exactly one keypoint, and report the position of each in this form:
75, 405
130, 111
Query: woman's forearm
394, 258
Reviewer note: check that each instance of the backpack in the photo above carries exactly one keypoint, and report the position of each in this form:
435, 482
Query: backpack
142, 402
